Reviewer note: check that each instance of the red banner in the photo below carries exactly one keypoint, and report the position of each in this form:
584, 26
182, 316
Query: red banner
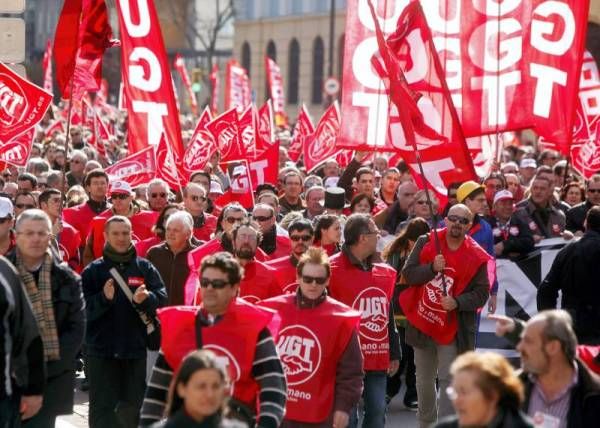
47, 68
320, 145
240, 190
226, 132
264, 127
214, 84
136, 169
22, 104
16, 151
264, 168
185, 78
275, 82
237, 87
303, 128
148, 88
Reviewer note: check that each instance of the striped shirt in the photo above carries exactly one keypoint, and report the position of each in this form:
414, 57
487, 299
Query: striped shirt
266, 369
557, 406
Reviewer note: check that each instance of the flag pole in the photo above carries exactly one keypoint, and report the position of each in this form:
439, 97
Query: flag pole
67, 141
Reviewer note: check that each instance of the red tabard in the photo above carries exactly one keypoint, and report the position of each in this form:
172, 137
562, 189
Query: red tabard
283, 247
80, 217
311, 342
234, 337
285, 272
68, 244
370, 293
141, 228
208, 228
422, 303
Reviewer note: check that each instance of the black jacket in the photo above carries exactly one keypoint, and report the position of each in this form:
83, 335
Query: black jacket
576, 216
575, 272
516, 237
114, 328
506, 418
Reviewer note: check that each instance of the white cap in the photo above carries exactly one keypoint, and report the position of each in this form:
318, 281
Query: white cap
6, 207
120, 186
528, 163
503, 195
215, 188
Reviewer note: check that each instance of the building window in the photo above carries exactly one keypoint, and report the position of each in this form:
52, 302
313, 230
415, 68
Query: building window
246, 58
293, 72
271, 53
317, 71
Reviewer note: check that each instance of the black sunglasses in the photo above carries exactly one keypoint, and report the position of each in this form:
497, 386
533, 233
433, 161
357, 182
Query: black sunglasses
232, 220
297, 238
26, 206
216, 284
262, 218
458, 219
121, 196
310, 279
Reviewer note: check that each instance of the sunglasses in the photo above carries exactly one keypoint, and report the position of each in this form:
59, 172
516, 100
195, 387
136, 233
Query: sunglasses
121, 196
232, 220
262, 218
5, 219
197, 198
156, 195
217, 284
297, 238
26, 206
421, 202
310, 279
458, 219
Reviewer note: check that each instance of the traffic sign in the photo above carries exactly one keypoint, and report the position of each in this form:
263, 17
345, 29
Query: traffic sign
12, 40
331, 86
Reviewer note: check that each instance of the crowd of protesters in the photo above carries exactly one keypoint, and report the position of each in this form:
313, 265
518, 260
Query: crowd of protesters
310, 308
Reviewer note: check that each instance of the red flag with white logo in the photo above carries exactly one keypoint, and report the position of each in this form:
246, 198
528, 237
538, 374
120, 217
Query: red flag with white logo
320, 145
201, 148
264, 167
240, 190
264, 127
247, 135
136, 169
226, 132
47, 68
166, 167
185, 78
237, 87
22, 104
303, 128
16, 151
148, 88
214, 83
205, 117
275, 82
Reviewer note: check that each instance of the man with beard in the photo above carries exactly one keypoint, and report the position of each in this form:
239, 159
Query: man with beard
368, 287
301, 234
446, 290
194, 202
272, 243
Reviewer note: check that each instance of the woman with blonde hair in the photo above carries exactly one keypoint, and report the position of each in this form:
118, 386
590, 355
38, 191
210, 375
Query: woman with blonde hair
485, 392
419, 207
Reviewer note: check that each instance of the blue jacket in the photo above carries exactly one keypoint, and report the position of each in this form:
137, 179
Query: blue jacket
114, 328
481, 232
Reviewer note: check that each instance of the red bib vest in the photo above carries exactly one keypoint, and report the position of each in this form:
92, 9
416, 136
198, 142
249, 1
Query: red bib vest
368, 292
141, 228
422, 303
233, 338
208, 228
311, 342
285, 271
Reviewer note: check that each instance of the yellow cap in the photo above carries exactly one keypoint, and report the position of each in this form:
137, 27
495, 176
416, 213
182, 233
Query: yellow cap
466, 189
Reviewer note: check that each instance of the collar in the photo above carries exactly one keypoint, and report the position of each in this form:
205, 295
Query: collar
574, 380
97, 207
199, 221
367, 265
304, 302
207, 319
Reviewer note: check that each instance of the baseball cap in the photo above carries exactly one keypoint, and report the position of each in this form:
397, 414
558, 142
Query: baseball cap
120, 186
466, 189
503, 195
528, 163
6, 207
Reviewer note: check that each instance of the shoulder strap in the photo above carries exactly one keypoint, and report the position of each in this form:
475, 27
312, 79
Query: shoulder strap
198, 330
125, 289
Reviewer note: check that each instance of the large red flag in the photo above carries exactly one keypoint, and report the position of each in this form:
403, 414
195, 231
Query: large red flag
22, 104
16, 151
226, 132
137, 168
275, 82
240, 190
148, 88
264, 128
166, 167
320, 146
264, 167
247, 134
237, 87
185, 78
66, 42
199, 151
47, 68
303, 128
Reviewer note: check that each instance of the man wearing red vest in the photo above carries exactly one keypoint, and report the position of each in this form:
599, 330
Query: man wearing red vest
441, 306
319, 348
368, 287
301, 234
236, 331
194, 202
272, 243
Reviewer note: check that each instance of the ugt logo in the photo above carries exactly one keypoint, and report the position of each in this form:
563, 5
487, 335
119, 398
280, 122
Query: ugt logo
300, 353
13, 103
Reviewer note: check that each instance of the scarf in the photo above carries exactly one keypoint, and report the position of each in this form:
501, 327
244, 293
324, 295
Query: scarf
111, 254
40, 296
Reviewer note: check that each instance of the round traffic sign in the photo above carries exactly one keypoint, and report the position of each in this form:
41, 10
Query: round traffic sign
331, 86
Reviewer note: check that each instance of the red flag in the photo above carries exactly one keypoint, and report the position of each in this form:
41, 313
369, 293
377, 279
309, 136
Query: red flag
166, 167
264, 168
264, 127
54, 128
16, 151
303, 128
199, 151
185, 78
275, 82
122, 101
150, 99
214, 83
47, 68
240, 190
247, 134
136, 169
205, 117
22, 104
237, 87
226, 132
66, 42
320, 146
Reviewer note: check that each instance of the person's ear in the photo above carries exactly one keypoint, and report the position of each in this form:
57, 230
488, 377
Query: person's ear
180, 388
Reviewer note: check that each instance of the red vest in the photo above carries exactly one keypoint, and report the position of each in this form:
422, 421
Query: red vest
204, 233
422, 303
233, 338
68, 244
370, 293
285, 271
283, 247
142, 247
311, 342
80, 217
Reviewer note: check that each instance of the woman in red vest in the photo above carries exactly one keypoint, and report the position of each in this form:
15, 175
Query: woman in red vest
319, 348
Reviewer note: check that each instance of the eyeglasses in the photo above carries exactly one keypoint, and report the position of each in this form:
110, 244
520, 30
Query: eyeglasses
24, 206
5, 219
261, 218
297, 238
31, 234
197, 198
156, 195
121, 196
217, 284
232, 220
310, 279
458, 219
